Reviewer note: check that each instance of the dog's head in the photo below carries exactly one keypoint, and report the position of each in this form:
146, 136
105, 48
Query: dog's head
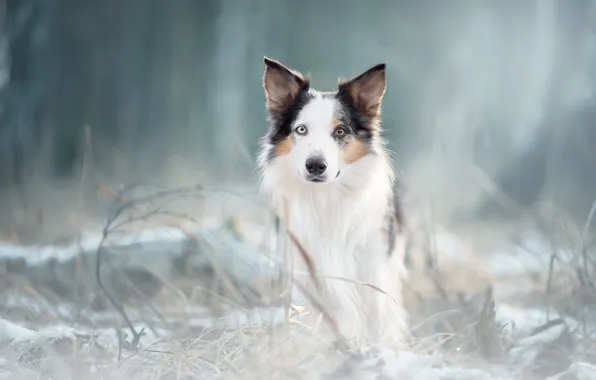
318, 134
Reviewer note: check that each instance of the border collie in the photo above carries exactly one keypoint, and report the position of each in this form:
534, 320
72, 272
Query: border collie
329, 180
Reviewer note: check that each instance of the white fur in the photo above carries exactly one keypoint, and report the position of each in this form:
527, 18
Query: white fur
317, 116
341, 225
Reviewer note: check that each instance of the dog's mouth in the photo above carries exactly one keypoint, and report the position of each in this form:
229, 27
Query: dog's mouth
316, 179
319, 179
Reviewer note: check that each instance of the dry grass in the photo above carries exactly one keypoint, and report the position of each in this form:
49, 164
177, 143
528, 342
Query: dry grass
247, 352
453, 319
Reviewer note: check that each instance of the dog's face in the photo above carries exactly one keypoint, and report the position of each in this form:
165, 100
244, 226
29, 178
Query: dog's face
319, 134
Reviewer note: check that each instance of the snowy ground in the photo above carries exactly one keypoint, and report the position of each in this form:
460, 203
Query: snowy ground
474, 316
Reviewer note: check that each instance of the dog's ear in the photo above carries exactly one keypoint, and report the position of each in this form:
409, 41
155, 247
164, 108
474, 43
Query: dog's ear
367, 90
282, 85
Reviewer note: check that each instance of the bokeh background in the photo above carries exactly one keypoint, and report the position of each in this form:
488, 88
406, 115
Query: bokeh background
490, 117
483, 97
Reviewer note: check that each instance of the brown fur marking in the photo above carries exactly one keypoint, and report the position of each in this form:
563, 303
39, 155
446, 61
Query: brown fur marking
375, 123
354, 151
284, 148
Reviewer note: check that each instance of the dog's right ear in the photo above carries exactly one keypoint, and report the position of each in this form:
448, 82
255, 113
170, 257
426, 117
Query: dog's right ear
282, 85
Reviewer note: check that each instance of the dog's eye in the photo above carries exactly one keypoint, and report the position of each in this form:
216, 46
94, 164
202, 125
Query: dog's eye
301, 130
339, 132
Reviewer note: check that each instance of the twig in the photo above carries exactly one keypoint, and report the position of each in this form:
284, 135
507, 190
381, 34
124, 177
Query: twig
117, 306
551, 266
585, 232
585, 276
310, 265
312, 273
122, 205
340, 339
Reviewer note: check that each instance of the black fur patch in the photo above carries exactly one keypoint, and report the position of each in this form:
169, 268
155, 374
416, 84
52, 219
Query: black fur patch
354, 122
343, 140
280, 126
359, 124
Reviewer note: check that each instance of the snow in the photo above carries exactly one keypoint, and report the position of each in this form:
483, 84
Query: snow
583, 371
520, 322
408, 365
257, 317
531, 255
244, 259
22, 340
88, 243
10, 331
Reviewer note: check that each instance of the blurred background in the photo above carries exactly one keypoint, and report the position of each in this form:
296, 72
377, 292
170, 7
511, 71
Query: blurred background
489, 114
483, 97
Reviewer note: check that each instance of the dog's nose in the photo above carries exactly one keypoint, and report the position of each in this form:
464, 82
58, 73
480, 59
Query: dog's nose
316, 166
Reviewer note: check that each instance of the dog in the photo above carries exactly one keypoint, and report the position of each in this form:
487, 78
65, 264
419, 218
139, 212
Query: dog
327, 176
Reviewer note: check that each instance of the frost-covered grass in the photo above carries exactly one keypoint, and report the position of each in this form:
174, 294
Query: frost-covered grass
234, 353
515, 311
265, 351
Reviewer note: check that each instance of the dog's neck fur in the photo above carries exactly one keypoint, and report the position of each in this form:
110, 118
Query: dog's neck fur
343, 212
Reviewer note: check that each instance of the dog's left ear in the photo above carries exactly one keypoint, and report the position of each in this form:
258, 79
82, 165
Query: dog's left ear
367, 90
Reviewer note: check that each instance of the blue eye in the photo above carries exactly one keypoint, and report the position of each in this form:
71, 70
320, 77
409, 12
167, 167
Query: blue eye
301, 130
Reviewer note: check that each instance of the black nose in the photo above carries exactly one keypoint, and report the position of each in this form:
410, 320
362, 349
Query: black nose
316, 166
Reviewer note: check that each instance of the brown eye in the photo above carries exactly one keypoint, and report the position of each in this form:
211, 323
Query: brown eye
339, 132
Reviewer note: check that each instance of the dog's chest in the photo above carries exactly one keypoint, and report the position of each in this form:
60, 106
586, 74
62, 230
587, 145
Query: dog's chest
340, 236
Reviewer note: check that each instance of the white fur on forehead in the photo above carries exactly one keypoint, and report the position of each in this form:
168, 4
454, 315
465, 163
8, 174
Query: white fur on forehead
318, 111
